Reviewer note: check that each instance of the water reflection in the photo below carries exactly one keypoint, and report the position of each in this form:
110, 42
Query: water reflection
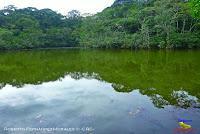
89, 102
167, 77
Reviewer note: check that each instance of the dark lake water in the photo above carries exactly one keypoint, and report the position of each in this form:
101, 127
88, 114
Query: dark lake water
79, 91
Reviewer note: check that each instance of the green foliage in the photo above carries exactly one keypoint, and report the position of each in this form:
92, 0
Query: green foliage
195, 8
5, 37
155, 24
32, 28
151, 24
165, 71
25, 24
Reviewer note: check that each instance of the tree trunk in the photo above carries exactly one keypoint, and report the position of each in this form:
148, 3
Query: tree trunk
183, 28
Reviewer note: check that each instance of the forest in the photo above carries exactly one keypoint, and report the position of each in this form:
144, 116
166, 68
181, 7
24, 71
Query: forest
162, 24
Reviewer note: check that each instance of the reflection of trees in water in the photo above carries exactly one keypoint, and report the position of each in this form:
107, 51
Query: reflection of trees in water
121, 88
178, 98
126, 70
16, 84
2, 85
79, 75
74, 75
183, 99
158, 100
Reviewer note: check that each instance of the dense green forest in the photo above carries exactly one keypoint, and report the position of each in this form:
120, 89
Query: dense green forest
132, 24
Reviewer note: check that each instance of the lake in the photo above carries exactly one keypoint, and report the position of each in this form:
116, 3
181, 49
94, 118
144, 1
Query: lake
99, 91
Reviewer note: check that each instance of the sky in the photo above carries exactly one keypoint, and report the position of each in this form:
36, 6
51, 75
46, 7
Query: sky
61, 6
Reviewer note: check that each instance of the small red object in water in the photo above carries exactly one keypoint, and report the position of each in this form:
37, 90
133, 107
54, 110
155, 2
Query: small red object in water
184, 131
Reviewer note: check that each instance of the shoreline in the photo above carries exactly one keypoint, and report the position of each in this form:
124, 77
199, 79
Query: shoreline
90, 48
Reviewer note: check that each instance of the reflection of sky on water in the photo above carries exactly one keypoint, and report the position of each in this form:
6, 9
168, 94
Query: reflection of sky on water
87, 103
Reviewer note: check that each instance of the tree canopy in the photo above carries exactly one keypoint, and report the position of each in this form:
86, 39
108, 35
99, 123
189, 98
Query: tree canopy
134, 24
32, 28
150, 24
